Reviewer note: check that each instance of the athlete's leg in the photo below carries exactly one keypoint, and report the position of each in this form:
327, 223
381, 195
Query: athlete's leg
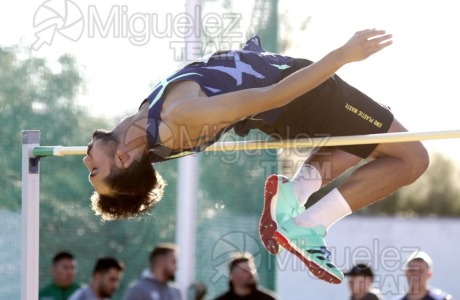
394, 165
321, 167
331, 162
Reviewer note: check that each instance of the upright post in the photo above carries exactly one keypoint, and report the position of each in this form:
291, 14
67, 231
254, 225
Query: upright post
188, 180
30, 215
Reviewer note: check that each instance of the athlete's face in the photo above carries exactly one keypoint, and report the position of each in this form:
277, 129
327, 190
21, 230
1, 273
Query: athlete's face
100, 159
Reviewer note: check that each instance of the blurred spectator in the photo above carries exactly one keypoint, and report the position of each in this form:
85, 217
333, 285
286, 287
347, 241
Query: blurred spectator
64, 269
360, 279
107, 274
419, 269
154, 283
197, 291
243, 280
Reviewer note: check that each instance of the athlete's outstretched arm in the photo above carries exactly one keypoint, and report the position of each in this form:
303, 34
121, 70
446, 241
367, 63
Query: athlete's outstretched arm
230, 107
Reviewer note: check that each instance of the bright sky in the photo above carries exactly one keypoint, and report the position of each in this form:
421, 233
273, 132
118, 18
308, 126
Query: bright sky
416, 77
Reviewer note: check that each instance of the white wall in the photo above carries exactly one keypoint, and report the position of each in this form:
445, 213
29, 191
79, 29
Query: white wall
384, 243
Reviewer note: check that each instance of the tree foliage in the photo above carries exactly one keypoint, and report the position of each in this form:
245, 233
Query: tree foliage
34, 97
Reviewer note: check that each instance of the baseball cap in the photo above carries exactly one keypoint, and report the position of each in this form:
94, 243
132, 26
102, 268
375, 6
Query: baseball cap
419, 254
360, 270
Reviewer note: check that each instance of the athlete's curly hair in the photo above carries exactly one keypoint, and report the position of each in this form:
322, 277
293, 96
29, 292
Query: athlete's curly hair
136, 190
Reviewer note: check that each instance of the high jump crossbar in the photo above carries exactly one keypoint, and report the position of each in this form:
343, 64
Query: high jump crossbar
380, 138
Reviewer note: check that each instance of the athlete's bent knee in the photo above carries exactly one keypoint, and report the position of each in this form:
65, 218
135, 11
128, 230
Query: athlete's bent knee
419, 162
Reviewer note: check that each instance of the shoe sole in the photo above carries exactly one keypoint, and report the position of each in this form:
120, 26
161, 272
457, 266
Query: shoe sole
314, 268
267, 225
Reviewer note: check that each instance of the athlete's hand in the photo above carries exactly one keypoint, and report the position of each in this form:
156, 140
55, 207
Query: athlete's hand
364, 44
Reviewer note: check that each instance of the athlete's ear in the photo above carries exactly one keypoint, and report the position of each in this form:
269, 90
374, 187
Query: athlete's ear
123, 159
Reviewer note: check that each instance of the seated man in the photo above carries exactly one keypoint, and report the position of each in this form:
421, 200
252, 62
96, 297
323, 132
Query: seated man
285, 98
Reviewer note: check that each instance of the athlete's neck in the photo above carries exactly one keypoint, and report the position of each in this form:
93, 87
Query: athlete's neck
131, 130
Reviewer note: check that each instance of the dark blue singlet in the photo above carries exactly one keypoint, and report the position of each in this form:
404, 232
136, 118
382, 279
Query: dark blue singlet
219, 73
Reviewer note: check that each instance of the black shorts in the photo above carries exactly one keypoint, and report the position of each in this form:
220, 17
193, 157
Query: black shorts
334, 108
